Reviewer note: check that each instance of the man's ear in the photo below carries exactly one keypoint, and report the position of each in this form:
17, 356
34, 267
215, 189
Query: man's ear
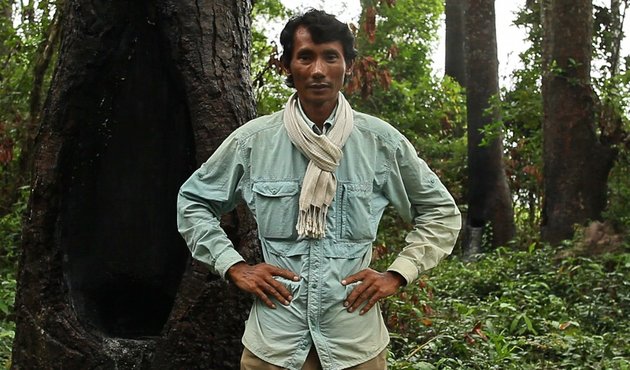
349, 69
285, 69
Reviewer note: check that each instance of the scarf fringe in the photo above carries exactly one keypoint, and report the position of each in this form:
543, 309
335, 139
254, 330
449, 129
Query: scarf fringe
312, 222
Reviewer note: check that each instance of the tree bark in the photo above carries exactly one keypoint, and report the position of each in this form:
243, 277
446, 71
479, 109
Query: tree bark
576, 163
143, 92
489, 204
455, 52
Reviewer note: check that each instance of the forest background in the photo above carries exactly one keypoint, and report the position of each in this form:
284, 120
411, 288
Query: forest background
511, 296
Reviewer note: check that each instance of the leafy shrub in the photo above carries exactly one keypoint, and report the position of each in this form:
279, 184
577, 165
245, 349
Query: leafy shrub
7, 326
10, 228
514, 310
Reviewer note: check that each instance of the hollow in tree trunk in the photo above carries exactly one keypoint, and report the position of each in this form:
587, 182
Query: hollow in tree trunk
143, 92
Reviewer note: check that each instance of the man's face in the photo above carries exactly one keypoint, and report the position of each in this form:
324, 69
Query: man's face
318, 70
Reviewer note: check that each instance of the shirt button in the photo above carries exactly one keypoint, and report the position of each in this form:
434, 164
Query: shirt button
314, 285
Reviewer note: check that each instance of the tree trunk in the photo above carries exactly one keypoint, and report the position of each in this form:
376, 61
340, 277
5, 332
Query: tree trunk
143, 92
576, 164
455, 53
489, 201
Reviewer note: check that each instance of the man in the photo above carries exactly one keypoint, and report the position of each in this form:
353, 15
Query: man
317, 176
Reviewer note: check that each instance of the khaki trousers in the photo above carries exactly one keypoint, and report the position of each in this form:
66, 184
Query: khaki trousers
249, 361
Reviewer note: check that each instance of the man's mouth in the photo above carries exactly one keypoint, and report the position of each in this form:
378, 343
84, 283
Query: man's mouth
319, 86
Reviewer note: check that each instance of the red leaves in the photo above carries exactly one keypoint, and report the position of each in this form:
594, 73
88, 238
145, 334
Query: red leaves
370, 19
427, 309
564, 325
476, 331
365, 74
426, 321
379, 251
370, 23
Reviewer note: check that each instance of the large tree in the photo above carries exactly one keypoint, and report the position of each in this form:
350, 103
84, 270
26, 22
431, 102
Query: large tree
143, 92
489, 200
576, 159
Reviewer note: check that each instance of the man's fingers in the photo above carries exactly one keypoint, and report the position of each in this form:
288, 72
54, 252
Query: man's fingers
259, 280
363, 296
355, 297
369, 304
353, 278
277, 271
278, 290
374, 286
260, 293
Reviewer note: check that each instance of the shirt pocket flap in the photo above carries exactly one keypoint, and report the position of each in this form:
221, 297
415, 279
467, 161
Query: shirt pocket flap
288, 249
347, 250
276, 188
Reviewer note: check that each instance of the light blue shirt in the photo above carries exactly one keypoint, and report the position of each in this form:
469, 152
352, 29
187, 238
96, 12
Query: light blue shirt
259, 165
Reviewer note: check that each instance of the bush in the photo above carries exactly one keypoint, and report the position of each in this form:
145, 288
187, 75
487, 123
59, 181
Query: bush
10, 228
7, 326
514, 310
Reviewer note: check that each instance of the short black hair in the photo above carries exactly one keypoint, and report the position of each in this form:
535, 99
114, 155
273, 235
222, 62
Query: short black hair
323, 27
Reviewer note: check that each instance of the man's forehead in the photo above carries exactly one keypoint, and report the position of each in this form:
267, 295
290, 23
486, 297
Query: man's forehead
303, 35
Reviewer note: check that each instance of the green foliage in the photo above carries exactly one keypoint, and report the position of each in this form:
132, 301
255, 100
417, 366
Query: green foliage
23, 29
618, 209
7, 326
269, 89
22, 32
429, 110
514, 310
10, 231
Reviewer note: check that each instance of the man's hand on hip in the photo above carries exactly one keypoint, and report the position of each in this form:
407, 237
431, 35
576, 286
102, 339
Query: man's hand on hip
374, 286
258, 279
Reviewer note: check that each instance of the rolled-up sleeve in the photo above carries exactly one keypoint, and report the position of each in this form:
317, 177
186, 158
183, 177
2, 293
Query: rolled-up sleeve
420, 198
210, 192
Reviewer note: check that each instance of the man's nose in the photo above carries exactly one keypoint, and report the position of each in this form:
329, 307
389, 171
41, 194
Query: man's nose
319, 68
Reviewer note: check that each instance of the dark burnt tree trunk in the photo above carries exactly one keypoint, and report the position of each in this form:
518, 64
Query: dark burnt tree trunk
576, 163
489, 202
143, 92
455, 53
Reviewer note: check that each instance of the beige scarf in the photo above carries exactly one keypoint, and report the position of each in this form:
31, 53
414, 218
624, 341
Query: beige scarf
324, 151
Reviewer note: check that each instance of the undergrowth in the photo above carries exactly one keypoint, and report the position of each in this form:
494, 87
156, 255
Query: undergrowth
10, 229
514, 309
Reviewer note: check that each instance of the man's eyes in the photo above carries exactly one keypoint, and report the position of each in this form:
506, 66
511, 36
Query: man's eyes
333, 57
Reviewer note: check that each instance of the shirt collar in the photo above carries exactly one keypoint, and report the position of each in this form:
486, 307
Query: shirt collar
327, 123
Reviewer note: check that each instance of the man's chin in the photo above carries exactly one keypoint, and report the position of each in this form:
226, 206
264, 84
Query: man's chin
318, 99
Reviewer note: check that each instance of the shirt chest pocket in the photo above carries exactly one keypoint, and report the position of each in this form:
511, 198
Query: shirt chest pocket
276, 208
356, 212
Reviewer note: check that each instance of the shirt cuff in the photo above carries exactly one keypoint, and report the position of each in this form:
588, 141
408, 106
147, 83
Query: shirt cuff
405, 268
227, 259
